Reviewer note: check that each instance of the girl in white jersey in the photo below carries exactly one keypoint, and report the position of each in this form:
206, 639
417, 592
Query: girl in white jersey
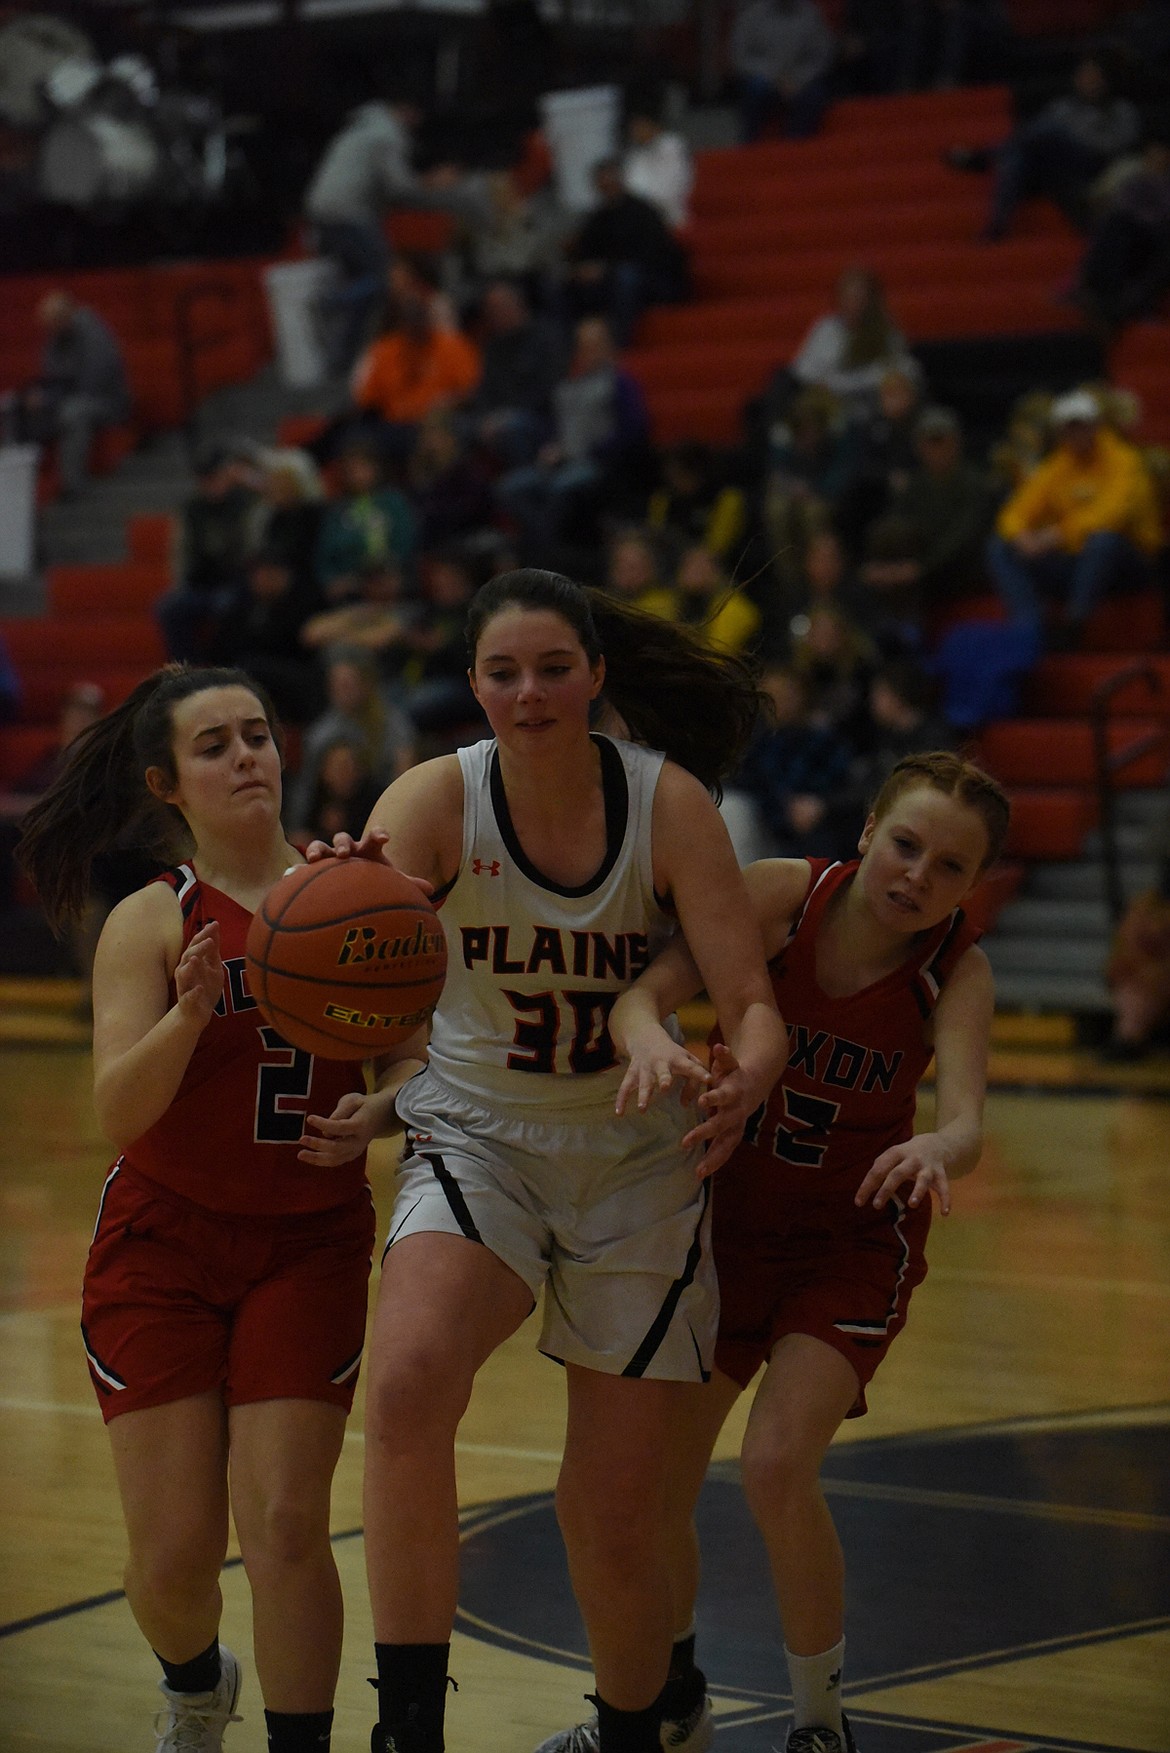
560, 860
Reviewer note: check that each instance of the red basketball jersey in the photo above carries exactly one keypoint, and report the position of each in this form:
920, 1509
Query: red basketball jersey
848, 1091
229, 1140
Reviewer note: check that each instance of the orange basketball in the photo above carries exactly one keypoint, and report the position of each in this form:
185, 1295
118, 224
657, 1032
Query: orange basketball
345, 957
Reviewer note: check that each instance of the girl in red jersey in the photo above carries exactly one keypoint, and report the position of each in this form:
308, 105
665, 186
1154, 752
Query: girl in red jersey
225, 1292
821, 1212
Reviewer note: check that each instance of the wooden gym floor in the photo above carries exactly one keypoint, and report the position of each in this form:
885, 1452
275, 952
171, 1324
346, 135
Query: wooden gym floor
1005, 1506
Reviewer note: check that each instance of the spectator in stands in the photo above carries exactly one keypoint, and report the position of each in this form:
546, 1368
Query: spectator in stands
355, 707
1058, 152
695, 504
286, 516
382, 619
439, 700
837, 660
344, 793
261, 634
884, 454
904, 720
418, 367
365, 170
927, 551
783, 801
450, 488
211, 551
782, 54
510, 412
623, 258
849, 350
368, 521
657, 163
808, 466
1138, 971
1125, 271
1085, 522
707, 600
80, 388
601, 432
633, 571
512, 234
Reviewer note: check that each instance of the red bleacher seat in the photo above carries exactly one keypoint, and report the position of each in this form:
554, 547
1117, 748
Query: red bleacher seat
128, 587
1049, 822
1025, 751
150, 536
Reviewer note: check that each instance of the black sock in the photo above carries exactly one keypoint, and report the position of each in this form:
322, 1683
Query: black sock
412, 1694
301, 1731
628, 1731
686, 1685
200, 1674
682, 1657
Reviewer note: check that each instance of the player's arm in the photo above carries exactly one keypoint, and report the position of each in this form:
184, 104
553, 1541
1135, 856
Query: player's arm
930, 1161
142, 1042
695, 863
360, 1117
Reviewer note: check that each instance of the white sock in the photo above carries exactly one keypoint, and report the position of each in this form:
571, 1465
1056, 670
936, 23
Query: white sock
816, 1688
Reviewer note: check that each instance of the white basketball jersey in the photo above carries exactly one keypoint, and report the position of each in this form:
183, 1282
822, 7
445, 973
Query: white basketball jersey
533, 967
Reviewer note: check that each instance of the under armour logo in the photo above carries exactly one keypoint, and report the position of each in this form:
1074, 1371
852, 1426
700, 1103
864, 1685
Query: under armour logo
479, 868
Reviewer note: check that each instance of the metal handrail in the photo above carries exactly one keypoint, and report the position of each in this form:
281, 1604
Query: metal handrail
1109, 762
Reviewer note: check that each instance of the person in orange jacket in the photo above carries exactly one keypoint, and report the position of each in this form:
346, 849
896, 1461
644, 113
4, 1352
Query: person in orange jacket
416, 368
1084, 522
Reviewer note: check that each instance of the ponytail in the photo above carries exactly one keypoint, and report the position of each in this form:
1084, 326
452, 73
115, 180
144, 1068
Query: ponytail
673, 692
100, 802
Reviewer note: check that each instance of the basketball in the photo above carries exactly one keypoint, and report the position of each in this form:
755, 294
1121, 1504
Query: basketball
346, 957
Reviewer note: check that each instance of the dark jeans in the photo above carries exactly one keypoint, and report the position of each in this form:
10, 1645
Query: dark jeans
1041, 159
1107, 561
760, 102
362, 256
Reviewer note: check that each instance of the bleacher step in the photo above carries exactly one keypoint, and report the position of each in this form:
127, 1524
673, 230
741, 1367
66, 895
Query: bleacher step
1052, 992
1053, 918
1085, 880
1073, 957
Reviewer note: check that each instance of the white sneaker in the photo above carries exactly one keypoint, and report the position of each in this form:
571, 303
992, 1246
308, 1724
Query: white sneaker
693, 1733
194, 1722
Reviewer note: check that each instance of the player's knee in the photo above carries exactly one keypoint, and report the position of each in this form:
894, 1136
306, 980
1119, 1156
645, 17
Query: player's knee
777, 1469
285, 1531
174, 1571
613, 1530
415, 1395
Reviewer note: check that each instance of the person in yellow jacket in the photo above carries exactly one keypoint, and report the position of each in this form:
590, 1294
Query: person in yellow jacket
703, 597
1085, 521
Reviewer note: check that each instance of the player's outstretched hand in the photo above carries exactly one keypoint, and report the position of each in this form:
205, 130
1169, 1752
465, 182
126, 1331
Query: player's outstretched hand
726, 1106
199, 974
327, 1143
921, 1162
656, 1061
371, 845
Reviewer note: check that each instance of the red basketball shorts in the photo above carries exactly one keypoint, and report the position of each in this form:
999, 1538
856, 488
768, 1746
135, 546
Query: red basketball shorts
828, 1269
179, 1300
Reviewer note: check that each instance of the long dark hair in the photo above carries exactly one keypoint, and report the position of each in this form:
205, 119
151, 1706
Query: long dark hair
697, 705
100, 802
